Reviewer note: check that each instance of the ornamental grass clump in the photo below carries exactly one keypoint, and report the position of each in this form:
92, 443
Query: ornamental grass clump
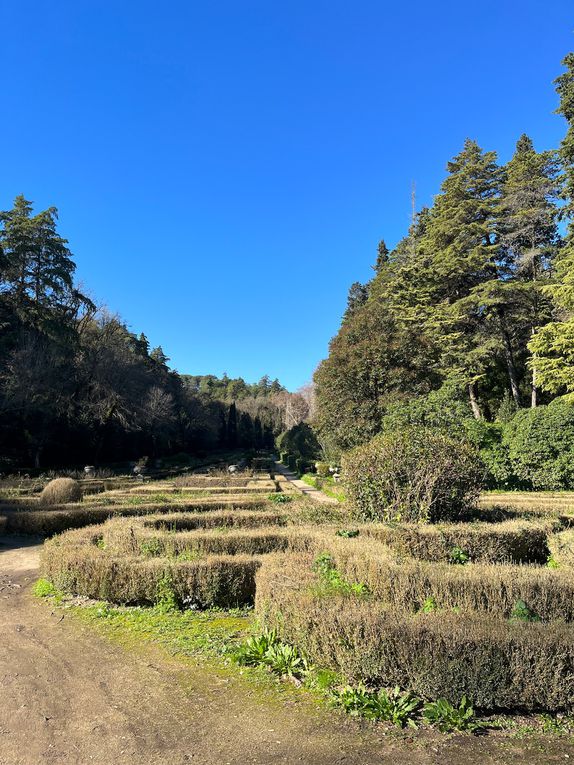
412, 475
60, 491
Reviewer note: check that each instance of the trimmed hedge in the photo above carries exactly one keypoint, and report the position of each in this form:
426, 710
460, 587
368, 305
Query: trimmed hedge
407, 584
496, 663
76, 565
489, 542
48, 522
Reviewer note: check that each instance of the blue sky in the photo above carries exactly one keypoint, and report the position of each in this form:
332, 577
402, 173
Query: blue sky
224, 170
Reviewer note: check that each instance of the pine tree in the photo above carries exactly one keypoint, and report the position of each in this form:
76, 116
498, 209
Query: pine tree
37, 268
529, 236
462, 255
553, 344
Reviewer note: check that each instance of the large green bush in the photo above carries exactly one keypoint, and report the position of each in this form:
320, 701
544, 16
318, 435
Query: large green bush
414, 475
301, 441
540, 444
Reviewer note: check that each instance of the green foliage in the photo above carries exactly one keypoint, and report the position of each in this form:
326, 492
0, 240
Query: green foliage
332, 582
278, 498
301, 442
347, 533
521, 613
268, 650
254, 650
412, 475
44, 589
388, 705
540, 445
429, 606
166, 600
447, 717
458, 556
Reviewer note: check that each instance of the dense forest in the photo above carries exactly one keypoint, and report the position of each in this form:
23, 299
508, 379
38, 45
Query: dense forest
468, 323
77, 386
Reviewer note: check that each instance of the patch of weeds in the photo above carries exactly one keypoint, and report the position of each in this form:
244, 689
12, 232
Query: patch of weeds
209, 633
279, 499
557, 726
429, 606
188, 555
347, 533
151, 549
100, 543
165, 597
253, 650
322, 680
388, 705
266, 649
446, 717
521, 613
458, 556
332, 582
44, 589
551, 562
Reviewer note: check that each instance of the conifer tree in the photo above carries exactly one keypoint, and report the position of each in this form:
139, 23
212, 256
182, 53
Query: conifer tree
553, 345
461, 252
529, 237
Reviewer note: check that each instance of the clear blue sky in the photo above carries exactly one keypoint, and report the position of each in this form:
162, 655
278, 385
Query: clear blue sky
224, 170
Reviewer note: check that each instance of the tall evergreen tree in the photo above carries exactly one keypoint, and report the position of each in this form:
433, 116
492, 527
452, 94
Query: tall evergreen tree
462, 255
529, 236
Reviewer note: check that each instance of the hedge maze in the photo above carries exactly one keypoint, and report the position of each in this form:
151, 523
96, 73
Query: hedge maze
482, 608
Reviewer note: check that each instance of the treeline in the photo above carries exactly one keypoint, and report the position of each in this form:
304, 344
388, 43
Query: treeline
76, 386
471, 316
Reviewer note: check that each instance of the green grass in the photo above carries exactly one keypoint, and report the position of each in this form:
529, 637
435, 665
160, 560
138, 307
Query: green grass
326, 485
212, 633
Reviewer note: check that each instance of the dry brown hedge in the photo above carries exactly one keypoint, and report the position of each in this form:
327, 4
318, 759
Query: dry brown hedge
56, 520
76, 565
497, 664
125, 538
520, 542
219, 518
406, 584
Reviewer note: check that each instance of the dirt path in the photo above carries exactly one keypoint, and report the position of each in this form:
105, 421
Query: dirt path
308, 491
70, 696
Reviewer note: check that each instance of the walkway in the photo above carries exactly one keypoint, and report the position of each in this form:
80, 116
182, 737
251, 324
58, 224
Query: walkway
308, 491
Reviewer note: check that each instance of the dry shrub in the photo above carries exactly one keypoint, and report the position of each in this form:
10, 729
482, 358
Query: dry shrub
197, 481
496, 663
129, 538
54, 521
76, 565
60, 491
218, 519
407, 584
490, 542
412, 475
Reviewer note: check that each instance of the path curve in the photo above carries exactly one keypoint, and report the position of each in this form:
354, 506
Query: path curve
70, 697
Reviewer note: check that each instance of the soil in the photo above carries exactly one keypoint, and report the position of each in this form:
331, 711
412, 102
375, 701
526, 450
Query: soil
71, 696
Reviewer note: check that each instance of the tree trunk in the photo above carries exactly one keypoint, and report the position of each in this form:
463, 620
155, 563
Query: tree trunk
512, 376
534, 396
474, 401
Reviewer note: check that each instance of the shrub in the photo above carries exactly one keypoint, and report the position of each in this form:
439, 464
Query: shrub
301, 441
497, 663
322, 469
540, 445
61, 491
412, 475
